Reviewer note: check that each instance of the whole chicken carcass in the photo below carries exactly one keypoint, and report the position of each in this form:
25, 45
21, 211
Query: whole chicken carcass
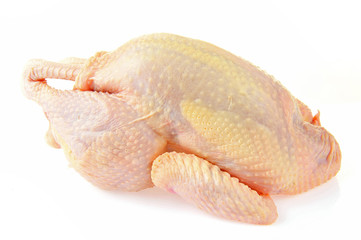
188, 117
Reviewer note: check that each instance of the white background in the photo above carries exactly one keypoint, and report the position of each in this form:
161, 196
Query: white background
312, 47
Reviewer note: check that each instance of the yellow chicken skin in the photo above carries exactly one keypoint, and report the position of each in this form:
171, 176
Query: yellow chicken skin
188, 117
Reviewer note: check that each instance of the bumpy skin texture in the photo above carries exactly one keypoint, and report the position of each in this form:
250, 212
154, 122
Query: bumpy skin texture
188, 117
